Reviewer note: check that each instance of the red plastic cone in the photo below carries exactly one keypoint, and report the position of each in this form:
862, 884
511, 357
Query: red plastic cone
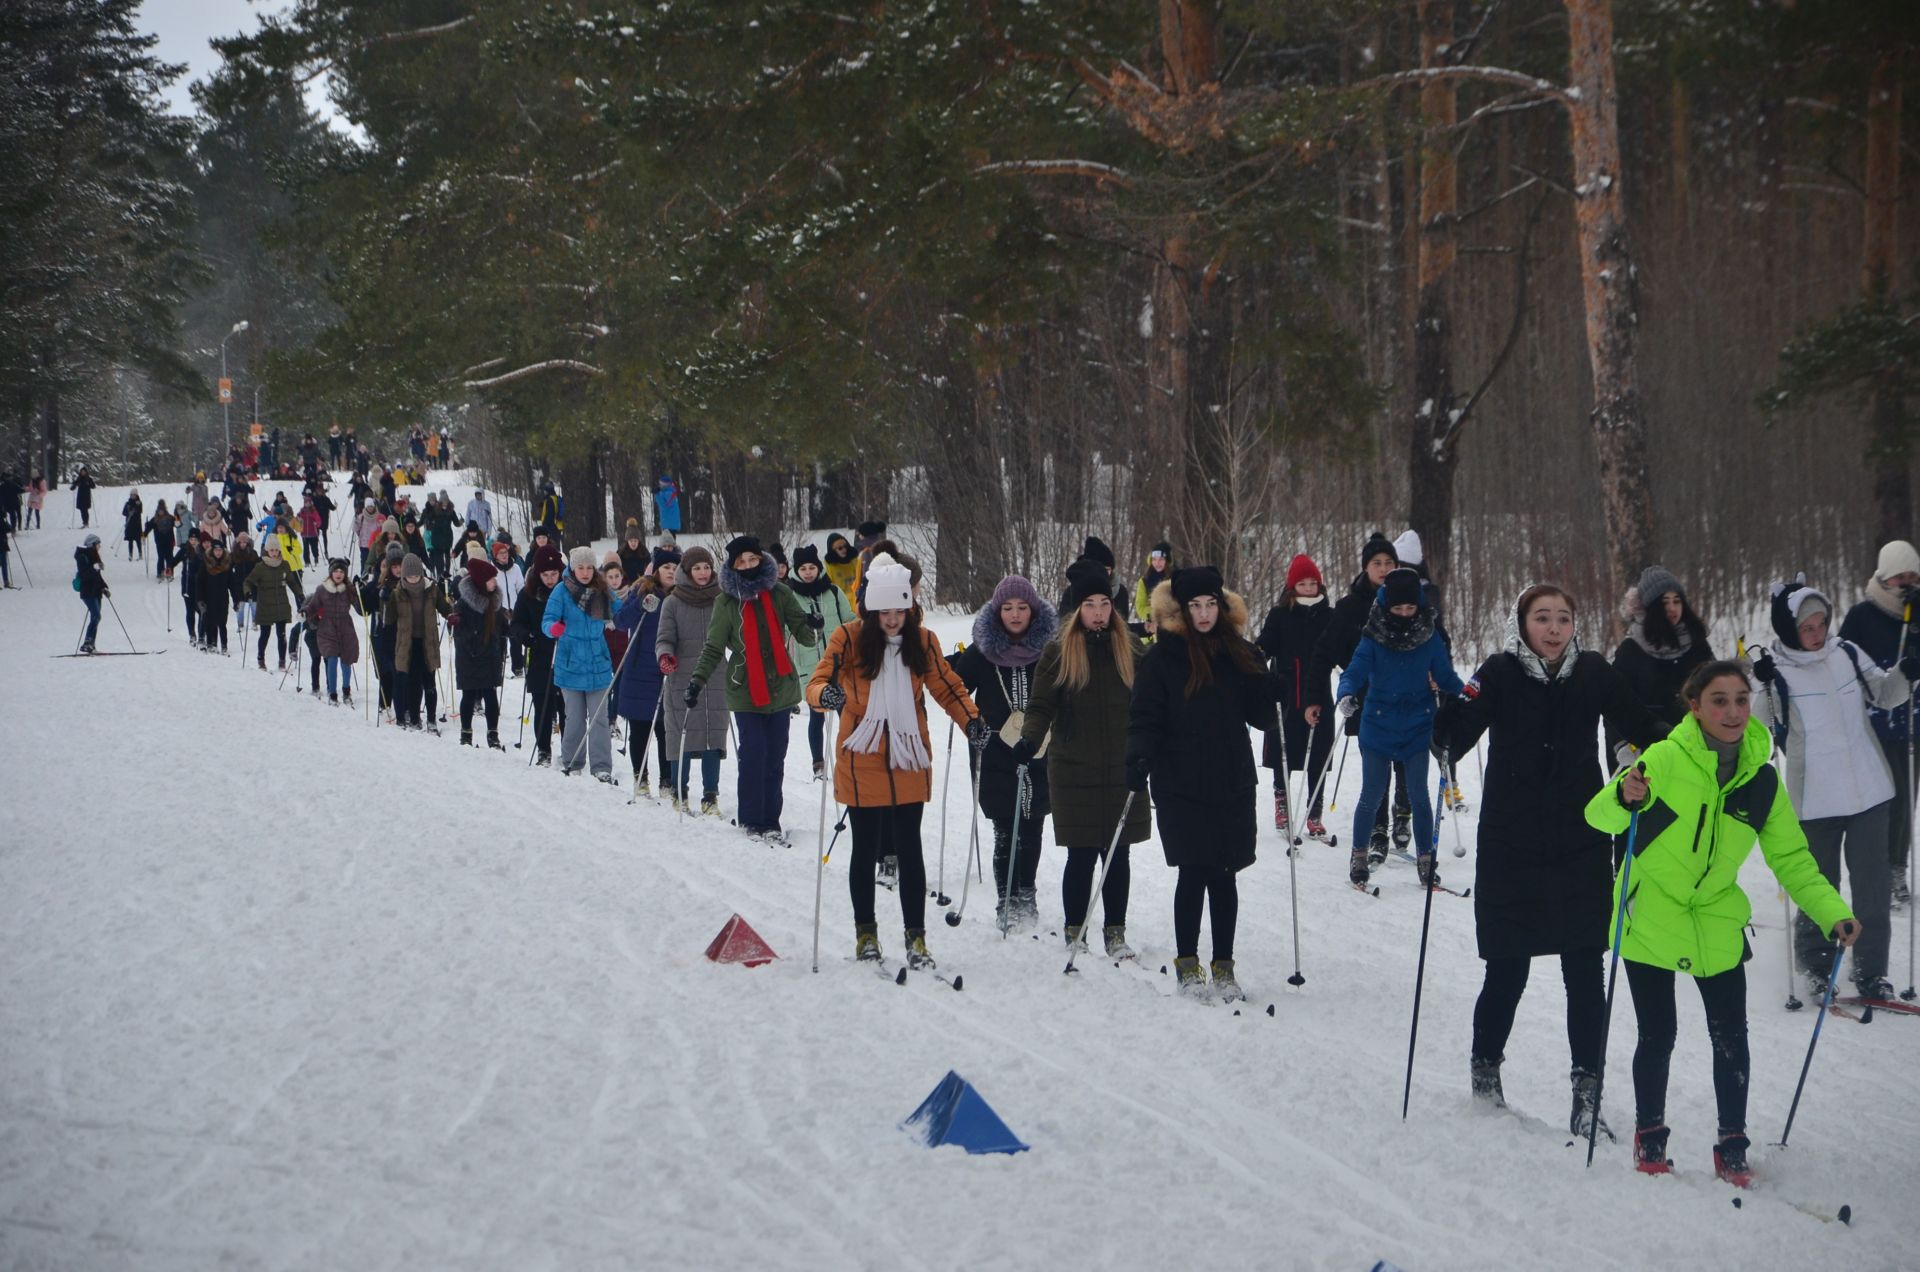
739, 943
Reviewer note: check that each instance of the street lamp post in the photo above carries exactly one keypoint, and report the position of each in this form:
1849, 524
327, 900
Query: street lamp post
226, 407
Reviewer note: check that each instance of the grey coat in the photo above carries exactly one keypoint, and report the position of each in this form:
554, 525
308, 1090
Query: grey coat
683, 633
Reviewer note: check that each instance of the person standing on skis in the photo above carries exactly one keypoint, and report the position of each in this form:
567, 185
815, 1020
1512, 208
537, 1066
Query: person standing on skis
1543, 876
1882, 627
91, 578
1399, 659
1288, 638
1708, 780
1818, 690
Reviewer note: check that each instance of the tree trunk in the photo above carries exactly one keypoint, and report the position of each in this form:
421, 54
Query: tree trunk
1889, 453
1607, 287
1432, 457
585, 489
50, 438
628, 482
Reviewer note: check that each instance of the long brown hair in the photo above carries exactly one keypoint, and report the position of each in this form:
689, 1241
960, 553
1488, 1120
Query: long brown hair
1076, 664
1224, 638
870, 642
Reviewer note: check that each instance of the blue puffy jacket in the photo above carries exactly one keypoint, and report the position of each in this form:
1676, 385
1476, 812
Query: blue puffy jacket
1396, 719
639, 690
580, 657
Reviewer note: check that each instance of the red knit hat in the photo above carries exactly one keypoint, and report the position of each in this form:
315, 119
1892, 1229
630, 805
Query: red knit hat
547, 557
1302, 567
480, 570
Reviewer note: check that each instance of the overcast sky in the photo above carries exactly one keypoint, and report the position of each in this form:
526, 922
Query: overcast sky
185, 26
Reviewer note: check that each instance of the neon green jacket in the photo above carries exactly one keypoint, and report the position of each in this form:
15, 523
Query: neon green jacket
1685, 910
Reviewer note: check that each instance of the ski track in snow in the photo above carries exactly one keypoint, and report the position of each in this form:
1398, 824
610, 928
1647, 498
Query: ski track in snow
283, 989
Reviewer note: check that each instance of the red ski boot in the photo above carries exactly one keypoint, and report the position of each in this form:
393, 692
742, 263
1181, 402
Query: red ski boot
1730, 1160
1650, 1151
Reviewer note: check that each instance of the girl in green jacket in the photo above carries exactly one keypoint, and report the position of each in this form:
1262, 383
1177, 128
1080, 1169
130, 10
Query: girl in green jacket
1706, 795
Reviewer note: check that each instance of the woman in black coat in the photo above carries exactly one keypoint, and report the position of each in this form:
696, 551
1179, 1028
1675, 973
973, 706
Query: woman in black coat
1665, 641
1544, 882
1288, 638
998, 670
479, 647
1197, 691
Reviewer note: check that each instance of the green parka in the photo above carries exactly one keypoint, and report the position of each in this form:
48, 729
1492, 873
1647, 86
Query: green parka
1685, 909
738, 605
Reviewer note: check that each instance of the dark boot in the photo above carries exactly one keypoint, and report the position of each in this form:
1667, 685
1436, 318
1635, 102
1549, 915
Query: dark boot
1650, 1151
1486, 1082
1730, 1159
1586, 1106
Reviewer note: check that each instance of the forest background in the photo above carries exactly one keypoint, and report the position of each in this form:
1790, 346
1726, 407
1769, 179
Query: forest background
1569, 286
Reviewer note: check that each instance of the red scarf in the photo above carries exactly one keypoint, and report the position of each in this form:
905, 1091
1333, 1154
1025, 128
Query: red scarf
756, 662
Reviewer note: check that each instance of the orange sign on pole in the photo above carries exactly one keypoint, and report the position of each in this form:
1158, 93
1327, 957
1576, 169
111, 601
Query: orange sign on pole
226, 391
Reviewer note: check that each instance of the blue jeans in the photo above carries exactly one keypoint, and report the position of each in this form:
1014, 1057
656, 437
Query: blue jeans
93, 618
763, 766
1376, 772
338, 668
709, 772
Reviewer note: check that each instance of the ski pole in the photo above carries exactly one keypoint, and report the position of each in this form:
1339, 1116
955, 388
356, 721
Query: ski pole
680, 782
1283, 780
1613, 972
966, 878
1334, 805
1786, 908
123, 625
1013, 845
1293, 898
820, 858
28, 572
1106, 863
1420, 970
522, 736
946, 784
1907, 626
1459, 845
1839, 954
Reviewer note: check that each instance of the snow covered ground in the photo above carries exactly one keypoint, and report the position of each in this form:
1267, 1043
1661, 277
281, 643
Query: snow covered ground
283, 989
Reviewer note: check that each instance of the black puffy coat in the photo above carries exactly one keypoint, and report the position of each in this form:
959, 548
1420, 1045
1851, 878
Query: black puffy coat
997, 691
1544, 877
1087, 755
1656, 682
479, 637
527, 628
1203, 774
1288, 638
1338, 639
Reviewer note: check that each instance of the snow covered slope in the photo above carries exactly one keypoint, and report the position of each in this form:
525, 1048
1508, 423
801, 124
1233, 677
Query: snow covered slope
281, 988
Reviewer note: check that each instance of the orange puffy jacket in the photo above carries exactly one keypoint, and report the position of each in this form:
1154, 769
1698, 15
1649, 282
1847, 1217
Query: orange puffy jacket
866, 779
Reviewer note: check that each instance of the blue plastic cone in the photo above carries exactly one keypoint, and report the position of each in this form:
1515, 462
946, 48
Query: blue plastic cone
955, 1114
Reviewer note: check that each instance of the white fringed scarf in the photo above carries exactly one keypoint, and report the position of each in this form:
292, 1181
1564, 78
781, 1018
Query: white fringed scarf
893, 718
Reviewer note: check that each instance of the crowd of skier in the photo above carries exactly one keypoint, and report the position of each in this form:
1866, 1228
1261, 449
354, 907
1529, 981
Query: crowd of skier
1124, 710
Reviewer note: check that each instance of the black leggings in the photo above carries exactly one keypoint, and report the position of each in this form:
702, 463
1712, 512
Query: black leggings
1580, 971
1027, 868
1725, 998
637, 749
892, 831
471, 698
279, 631
1219, 890
1076, 885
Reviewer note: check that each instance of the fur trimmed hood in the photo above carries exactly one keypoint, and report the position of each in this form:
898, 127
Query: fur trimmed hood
744, 587
1171, 616
1001, 649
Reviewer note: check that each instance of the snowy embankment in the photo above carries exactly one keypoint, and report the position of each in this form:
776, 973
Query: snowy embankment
283, 988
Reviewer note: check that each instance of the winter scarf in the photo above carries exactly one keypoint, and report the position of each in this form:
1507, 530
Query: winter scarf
1396, 633
754, 591
1001, 648
1891, 603
592, 601
892, 719
1637, 633
820, 586
481, 601
1534, 665
690, 593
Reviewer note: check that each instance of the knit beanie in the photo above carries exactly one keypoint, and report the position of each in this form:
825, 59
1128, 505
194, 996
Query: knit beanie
1407, 548
1897, 557
889, 586
869, 532
340, 564
1094, 550
665, 555
271, 549
1015, 588
1199, 580
1161, 549
1300, 568
474, 551
582, 555
390, 526
1655, 582
547, 557
1086, 578
612, 562
1402, 588
480, 570
745, 543
395, 553
1377, 545
777, 552
695, 555
633, 528
412, 567
805, 554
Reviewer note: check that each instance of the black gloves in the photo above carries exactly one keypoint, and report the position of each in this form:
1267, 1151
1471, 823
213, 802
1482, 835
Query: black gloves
693, 694
1763, 668
833, 698
1023, 751
1138, 769
1910, 666
816, 622
978, 735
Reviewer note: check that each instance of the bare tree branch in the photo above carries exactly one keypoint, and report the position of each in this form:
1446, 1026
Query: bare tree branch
551, 364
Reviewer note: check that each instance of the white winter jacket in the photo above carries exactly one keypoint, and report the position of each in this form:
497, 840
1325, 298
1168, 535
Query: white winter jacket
1835, 767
